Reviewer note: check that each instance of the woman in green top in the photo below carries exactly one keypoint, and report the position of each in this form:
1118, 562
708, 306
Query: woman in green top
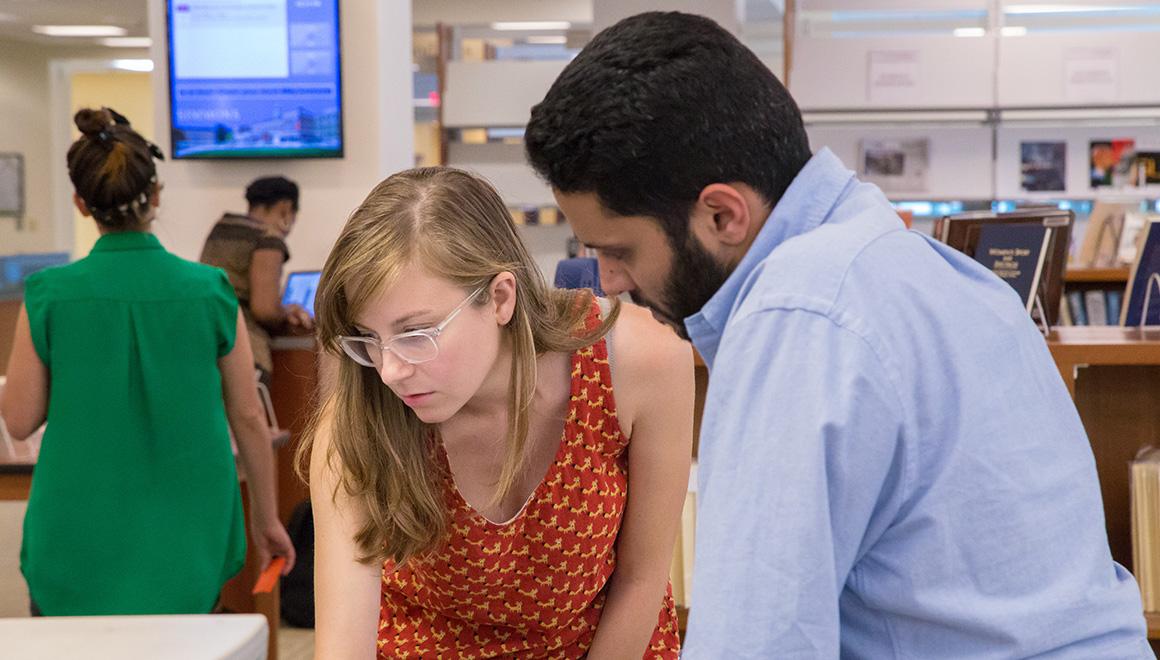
135, 357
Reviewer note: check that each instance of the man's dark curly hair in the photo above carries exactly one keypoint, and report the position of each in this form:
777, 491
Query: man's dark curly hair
657, 107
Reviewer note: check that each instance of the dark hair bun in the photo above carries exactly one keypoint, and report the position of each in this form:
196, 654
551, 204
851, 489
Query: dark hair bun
91, 122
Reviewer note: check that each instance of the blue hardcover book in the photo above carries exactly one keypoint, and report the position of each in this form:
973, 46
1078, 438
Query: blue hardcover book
1115, 299
1076, 307
1147, 265
1015, 252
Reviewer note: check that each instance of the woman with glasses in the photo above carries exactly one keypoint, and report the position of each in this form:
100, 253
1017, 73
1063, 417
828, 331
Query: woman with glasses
498, 468
135, 505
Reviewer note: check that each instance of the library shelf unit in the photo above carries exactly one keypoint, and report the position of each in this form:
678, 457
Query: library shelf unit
1084, 288
1113, 375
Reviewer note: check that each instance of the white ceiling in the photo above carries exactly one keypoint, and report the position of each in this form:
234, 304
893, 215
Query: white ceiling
18, 16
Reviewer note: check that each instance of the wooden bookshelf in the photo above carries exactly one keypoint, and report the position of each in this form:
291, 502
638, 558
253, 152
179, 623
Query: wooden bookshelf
1153, 619
1096, 275
1113, 375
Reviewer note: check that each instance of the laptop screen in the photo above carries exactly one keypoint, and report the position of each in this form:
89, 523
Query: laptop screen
300, 288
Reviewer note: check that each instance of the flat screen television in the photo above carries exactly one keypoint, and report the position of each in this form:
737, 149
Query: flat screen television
255, 79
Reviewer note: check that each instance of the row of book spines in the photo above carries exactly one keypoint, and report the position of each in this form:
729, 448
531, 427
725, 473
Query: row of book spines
1093, 307
1145, 487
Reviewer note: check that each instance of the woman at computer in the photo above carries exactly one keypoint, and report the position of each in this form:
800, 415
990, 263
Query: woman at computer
127, 353
251, 249
498, 468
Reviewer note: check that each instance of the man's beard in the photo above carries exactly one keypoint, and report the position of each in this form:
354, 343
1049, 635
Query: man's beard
693, 279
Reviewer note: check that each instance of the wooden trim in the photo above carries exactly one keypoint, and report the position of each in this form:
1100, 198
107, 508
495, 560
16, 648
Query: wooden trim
14, 486
1106, 275
1153, 621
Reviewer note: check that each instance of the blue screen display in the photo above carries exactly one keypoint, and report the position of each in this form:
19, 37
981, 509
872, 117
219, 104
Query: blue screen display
255, 79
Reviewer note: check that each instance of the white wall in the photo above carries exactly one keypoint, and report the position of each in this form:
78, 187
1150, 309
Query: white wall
26, 122
607, 12
379, 136
25, 129
483, 12
959, 165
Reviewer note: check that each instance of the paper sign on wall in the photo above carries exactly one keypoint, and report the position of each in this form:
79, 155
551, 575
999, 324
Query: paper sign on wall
892, 77
1091, 75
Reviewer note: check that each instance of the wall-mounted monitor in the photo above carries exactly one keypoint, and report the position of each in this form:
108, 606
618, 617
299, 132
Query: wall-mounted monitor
255, 79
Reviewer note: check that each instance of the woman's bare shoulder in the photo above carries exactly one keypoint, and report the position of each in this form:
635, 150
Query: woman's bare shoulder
649, 359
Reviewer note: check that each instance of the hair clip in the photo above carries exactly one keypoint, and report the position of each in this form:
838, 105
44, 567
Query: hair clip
103, 136
157, 153
118, 118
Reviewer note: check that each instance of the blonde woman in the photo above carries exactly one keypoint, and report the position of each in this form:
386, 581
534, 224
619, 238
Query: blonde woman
499, 468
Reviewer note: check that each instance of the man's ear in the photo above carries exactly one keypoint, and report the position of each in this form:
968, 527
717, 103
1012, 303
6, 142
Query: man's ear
81, 206
502, 294
155, 196
725, 214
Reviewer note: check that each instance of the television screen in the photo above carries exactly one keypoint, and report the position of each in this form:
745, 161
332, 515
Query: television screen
255, 79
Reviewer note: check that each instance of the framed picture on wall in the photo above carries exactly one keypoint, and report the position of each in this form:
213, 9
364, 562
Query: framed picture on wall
1043, 166
12, 185
895, 165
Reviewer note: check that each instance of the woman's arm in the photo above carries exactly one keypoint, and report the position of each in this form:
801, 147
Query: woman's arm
252, 434
653, 380
265, 303
24, 403
346, 591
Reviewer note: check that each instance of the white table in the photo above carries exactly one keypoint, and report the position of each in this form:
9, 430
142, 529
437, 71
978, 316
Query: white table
179, 637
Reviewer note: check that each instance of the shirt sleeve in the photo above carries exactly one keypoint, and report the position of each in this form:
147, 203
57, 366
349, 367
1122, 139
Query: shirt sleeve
801, 468
225, 303
273, 242
36, 305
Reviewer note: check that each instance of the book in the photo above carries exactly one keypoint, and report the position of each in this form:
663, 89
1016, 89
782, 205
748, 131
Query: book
1147, 168
1134, 221
1101, 238
1096, 306
1145, 270
1105, 157
1144, 489
1065, 313
1115, 298
1016, 254
1043, 166
1036, 263
1076, 307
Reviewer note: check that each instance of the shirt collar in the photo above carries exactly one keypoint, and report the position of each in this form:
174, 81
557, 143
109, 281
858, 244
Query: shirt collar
802, 208
127, 240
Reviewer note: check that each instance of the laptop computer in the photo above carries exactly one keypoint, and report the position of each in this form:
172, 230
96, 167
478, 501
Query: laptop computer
301, 286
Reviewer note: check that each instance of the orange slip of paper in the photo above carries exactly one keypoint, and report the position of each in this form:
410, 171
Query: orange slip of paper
269, 577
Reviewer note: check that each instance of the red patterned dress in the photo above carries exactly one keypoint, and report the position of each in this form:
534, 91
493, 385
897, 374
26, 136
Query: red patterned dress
535, 586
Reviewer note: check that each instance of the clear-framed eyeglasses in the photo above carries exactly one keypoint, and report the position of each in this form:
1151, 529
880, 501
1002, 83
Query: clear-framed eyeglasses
413, 347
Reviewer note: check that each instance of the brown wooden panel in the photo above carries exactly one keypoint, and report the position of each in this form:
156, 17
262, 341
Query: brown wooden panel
14, 486
292, 388
1120, 409
237, 597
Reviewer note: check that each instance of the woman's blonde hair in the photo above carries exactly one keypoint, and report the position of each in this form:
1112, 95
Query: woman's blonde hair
454, 225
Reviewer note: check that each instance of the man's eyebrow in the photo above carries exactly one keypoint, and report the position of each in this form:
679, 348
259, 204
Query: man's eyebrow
606, 247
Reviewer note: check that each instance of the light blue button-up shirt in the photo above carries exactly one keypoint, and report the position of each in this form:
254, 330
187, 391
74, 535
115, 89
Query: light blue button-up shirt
890, 465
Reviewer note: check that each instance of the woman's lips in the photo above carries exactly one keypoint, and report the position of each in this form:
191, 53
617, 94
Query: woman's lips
413, 400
